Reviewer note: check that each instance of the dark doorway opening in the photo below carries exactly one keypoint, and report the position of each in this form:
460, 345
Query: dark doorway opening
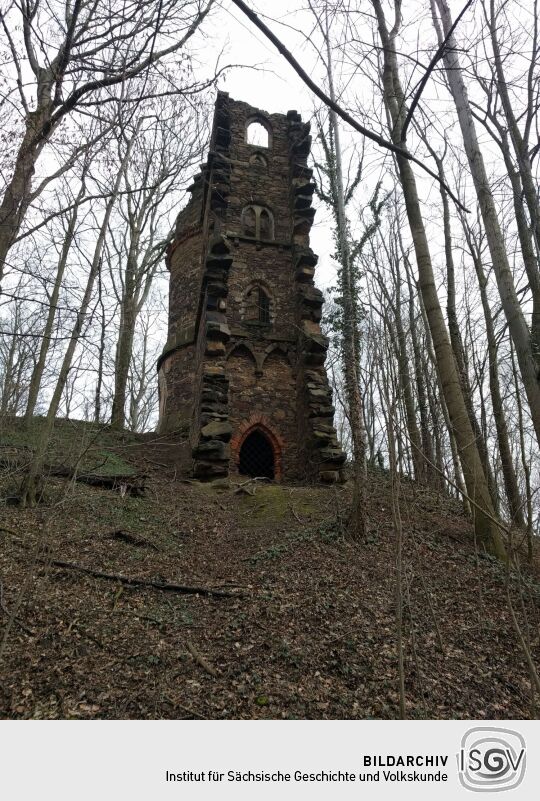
257, 456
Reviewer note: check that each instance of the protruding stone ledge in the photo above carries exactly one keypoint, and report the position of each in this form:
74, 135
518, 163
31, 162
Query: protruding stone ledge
221, 430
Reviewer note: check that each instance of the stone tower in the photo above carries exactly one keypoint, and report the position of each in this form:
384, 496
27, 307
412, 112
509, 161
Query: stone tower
242, 374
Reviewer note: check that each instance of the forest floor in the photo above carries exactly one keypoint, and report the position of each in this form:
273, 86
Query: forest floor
306, 627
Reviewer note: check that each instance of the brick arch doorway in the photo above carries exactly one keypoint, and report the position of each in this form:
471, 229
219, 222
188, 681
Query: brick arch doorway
258, 449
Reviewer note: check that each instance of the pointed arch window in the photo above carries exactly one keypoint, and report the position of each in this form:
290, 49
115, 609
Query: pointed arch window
258, 222
257, 306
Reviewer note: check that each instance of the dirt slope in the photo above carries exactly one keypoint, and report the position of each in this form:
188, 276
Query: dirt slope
309, 631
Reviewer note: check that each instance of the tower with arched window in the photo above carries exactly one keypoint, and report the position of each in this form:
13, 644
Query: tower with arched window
242, 380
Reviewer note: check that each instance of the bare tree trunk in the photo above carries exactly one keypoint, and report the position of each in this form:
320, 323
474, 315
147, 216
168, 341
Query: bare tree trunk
30, 487
350, 332
9, 368
513, 496
519, 330
524, 461
521, 148
455, 335
399, 342
487, 531
124, 347
37, 374
419, 369
101, 352
17, 193
433, 406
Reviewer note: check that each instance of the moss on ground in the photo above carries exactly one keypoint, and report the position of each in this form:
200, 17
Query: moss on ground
91, 446
275, 502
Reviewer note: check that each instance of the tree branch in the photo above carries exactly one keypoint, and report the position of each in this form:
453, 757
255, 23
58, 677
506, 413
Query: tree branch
287, 55
437, 57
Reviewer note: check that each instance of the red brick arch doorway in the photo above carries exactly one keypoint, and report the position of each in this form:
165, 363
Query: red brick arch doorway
257, 449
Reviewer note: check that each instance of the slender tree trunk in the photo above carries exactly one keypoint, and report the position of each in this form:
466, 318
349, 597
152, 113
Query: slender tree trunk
124, 348
9, 369
350, 334
528, 181
37, 373
513, 496
30, 487
524, 460
434, 404
526, 235
17, 193
486, 529
419, 368
399, 343
519, 330
101, 353
456, 339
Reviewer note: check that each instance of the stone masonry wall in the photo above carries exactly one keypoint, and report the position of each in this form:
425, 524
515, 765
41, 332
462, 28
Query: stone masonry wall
229, 372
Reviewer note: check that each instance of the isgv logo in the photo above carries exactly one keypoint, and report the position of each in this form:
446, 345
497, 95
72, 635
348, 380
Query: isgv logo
491, 759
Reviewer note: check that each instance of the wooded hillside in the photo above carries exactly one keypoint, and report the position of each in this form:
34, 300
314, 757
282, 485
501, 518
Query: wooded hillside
280, 615
410, 141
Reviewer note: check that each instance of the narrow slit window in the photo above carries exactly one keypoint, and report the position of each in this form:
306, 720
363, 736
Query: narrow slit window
264, 307
249, 221
265, 225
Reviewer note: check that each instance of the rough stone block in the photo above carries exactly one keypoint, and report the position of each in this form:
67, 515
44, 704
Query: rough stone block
329, 476
332, 455
213, 449
219, 331
221, 430
215, 348
210, 470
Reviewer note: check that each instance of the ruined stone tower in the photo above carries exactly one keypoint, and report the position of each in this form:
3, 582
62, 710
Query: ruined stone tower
242, 375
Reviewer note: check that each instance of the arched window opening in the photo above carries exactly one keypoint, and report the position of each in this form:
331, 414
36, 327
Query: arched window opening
265, 225
257, 134
257, 221
249, 221
257, 306
257, 456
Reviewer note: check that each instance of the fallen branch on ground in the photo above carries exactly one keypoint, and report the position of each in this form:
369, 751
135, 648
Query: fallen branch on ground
130, 581
244, 486
201, 660
132, 539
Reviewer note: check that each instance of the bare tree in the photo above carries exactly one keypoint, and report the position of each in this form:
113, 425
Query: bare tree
486, 528
140, 228
30, 488
77, 53
518, 327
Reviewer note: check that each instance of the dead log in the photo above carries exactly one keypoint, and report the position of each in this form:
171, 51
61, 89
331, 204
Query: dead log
128, 483
131, 581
